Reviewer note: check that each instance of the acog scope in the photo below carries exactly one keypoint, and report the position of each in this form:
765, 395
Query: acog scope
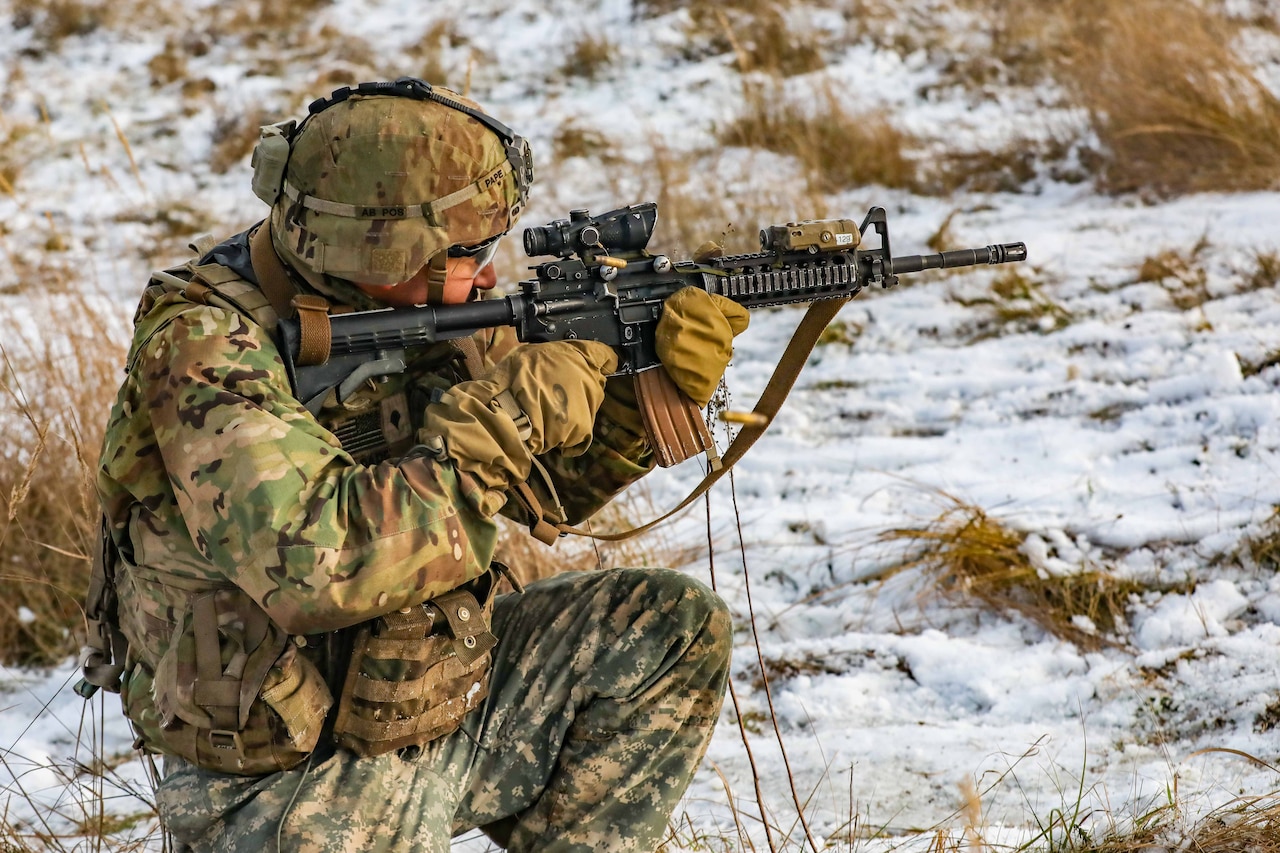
621, 231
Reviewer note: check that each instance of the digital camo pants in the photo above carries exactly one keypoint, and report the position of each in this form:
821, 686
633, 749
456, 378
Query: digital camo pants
605, 690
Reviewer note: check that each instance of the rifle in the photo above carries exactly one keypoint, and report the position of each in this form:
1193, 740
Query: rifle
603, 285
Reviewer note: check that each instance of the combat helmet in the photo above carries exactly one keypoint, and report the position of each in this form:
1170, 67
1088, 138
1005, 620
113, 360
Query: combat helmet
382, 178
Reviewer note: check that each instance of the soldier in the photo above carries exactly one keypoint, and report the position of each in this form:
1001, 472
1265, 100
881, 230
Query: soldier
307, 600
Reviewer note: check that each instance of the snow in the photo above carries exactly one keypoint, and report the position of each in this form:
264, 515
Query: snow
1122, 432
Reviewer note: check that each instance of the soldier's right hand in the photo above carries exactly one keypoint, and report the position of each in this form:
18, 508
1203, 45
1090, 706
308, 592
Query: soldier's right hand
541, 397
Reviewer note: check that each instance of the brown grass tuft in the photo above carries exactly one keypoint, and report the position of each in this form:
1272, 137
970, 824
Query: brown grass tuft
576, 140
1266, 270
17, 148
763, 40
762, 35
58, 376
973, 558
1016, 302
1175, 106
55, 20
234, 136
589, 55
1181, 272
1245, 825
429, 55
837, 148
693, 206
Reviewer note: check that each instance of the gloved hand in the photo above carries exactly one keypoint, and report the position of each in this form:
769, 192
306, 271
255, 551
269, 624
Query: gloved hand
695, 339
558, 386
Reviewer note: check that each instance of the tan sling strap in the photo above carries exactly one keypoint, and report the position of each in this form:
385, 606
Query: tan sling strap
784, 376
472, 361
312, 310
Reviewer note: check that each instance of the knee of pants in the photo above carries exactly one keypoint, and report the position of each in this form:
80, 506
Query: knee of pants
695, 607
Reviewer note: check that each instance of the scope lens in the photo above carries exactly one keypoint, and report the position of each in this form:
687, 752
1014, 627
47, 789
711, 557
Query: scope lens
535, 241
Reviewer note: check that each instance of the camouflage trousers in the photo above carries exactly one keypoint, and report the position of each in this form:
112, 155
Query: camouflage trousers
605, 689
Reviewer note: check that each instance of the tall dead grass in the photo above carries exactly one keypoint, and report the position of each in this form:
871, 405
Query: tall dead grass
693, 207
1245, 825
837, 148
54, 21
972, 558
59, 370
1174, 104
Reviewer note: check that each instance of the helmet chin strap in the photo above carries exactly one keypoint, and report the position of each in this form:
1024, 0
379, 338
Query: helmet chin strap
437, 275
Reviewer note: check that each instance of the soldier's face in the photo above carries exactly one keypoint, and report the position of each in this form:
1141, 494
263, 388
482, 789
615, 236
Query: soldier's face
461, 275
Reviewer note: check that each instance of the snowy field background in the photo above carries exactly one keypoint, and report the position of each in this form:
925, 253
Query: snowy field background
1127, 430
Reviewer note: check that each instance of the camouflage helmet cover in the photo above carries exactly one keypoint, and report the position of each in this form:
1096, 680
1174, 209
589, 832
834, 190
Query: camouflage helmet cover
377, 185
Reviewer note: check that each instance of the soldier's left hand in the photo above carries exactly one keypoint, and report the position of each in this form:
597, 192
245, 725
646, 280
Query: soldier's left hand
695, 339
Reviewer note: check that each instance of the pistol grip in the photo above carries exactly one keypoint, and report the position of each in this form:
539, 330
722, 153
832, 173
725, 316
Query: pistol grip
673, 422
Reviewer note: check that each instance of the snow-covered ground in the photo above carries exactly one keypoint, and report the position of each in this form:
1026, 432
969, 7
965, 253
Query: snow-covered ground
1122, 432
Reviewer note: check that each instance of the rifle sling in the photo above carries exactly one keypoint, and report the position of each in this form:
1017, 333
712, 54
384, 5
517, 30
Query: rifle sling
312, 311
784, 377
273, 278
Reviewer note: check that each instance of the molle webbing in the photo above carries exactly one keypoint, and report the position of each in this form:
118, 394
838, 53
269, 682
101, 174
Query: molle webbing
416, 672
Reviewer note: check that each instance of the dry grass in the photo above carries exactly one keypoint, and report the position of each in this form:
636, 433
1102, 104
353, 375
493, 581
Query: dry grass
1016, 302
15, 151
694, 208
972, 558
1181, 272
1175, 107
1261, 550
589, 56
54, 21
837, 148
233, 138
430, 57
573, 139
763, 39
59, 374
531, 561
1246, 825
768, 36
1265, 272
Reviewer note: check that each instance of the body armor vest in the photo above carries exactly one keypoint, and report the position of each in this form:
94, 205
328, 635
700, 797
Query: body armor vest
232, 691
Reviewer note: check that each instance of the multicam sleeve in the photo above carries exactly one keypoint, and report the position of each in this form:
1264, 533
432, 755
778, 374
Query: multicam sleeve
270, 497
618, 456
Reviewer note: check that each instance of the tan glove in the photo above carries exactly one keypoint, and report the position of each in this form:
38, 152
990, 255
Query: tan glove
555, 390
695, 339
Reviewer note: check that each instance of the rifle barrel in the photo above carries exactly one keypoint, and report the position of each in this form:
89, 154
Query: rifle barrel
1001, 253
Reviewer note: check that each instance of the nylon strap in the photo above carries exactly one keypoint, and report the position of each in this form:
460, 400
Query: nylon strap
311, 310
273, 278
437, 275
315, 335
472, 361
784, 376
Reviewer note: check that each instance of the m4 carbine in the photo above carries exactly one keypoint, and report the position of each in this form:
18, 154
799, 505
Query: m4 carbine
603, 285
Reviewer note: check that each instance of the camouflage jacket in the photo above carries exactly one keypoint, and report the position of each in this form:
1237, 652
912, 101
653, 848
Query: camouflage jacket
213, 476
